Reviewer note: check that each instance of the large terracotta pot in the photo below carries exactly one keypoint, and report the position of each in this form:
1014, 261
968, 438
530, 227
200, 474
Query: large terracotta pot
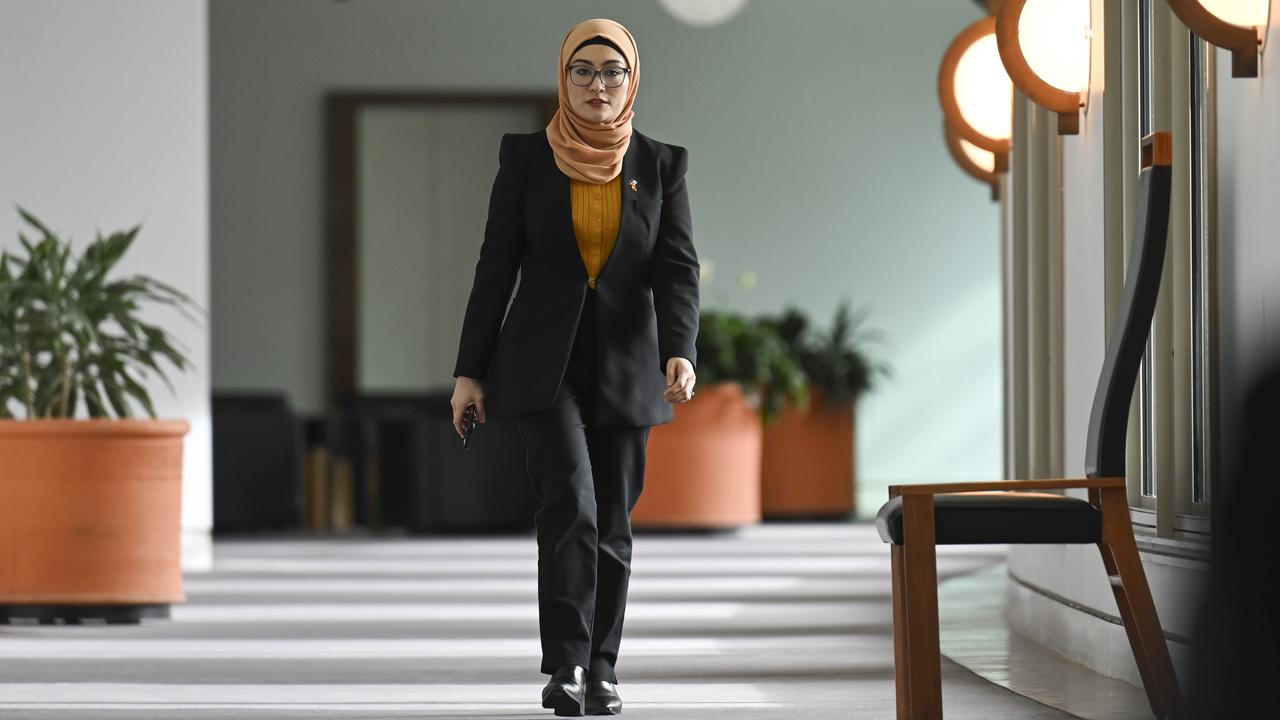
90, 515
807, 469
703, 469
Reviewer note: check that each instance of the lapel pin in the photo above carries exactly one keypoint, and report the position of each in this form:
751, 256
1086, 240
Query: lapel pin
632, 184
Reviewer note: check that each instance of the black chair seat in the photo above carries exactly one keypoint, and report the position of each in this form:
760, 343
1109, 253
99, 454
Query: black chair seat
1000, 517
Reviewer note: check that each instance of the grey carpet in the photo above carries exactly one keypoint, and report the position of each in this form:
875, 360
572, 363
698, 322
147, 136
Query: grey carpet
776, 620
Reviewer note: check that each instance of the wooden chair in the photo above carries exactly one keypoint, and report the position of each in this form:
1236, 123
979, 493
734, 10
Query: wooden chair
918, 517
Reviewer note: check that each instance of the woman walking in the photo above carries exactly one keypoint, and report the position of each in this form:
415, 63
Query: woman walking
596, 345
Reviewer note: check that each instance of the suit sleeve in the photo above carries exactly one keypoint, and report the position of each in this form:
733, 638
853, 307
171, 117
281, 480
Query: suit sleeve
495, 274
674, 271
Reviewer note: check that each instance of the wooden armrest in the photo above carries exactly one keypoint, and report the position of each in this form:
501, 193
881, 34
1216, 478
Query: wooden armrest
1006, 485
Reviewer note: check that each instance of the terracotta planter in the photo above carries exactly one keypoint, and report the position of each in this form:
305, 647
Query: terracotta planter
807, 469
703, 469
90, 515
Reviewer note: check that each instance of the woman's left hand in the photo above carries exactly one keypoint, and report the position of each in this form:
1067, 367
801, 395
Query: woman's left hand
680, 380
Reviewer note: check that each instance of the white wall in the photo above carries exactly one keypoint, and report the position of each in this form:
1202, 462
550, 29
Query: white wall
1248, 241
104, 125
1249, 264
816, 161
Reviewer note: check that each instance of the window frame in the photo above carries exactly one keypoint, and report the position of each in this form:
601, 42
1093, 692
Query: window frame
1173, 448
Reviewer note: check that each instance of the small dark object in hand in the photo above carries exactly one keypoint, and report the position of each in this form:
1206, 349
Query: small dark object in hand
468, 426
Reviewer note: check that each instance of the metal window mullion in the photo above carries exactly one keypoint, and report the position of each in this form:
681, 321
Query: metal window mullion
1054, 341
1125, 20
1114, 143
1166, 411
1203, 284
1143, 421
1037, 285
1019, 326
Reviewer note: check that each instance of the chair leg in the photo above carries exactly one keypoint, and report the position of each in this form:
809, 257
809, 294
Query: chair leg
1131, 629
919, 578
1137, 609
901, 648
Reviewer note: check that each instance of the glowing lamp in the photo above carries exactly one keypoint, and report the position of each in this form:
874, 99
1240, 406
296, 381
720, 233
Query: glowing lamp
975, 90
1045, 47
703, 12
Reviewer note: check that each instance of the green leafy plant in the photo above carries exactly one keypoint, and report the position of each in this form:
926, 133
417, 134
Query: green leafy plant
834, 360
735, 348
68, 334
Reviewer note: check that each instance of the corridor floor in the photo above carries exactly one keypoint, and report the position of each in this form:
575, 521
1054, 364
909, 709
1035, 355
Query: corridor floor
773, 621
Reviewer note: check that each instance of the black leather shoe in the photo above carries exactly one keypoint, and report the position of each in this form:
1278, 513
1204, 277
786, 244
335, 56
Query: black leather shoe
564, 692
602, 698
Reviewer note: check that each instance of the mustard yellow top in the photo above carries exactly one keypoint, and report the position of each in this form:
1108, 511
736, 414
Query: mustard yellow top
597, 212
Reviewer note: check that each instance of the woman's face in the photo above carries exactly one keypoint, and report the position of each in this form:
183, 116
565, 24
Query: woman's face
596, 102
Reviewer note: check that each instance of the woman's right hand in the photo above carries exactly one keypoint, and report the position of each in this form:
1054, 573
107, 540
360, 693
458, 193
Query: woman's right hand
466, 392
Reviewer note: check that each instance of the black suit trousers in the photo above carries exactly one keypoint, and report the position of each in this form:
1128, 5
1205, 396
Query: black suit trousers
587, 479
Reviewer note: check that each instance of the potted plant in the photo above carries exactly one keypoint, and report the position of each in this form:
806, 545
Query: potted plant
808, 466
703, 470
90, 508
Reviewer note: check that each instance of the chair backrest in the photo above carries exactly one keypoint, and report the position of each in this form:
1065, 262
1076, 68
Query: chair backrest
1109, 419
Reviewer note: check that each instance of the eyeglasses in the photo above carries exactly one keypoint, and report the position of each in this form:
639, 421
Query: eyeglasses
584, 75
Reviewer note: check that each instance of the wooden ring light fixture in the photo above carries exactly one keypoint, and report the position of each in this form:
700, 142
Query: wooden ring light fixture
975, 90
1238, 26
983, 165
1045, 47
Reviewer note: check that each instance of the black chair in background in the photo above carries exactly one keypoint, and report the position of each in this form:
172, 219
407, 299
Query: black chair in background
919, 517
426, 482
257, 463
391, 461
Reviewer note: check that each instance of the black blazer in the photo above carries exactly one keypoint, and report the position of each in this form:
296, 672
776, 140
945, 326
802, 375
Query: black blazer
647, 307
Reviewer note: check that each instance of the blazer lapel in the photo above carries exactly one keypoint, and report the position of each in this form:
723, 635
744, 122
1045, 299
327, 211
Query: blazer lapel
562, 207
628, 207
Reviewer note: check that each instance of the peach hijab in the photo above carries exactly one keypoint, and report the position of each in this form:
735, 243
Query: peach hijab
584, 149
